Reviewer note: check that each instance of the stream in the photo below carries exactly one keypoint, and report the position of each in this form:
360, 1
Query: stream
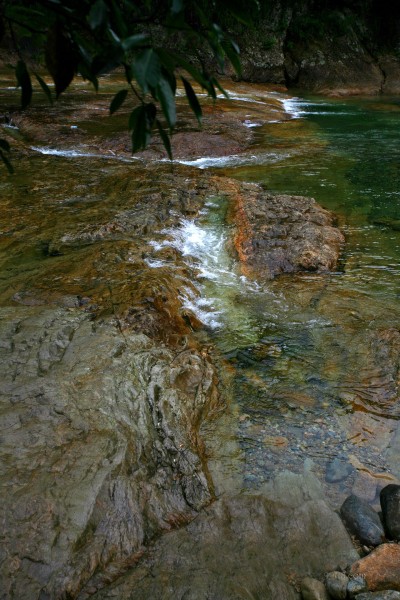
313, 358
308, 363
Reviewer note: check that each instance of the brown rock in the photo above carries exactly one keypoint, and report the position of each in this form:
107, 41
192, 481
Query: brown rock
283, 234
381, 568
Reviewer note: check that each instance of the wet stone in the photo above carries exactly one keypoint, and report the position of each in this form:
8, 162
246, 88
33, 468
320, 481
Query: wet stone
390, 502
386, 595
362, 521
380, 568
337, 470
336, 584
356, 586
313, 589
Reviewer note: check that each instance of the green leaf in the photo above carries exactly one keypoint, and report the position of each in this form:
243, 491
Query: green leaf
61, 59
24, 82
45, 88
140, 134
165, 139
98, 14
217, 84
4, 145
192, 99
167, 101
7, 163
147, 69
86, 73
232, 51
141, 122
134, 41
118, 100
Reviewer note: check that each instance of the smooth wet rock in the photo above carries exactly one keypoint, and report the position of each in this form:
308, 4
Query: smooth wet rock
337, 470
313, 589
336, 584
99, 448
390, 503
380, 568
387, 595
244, 547
356, 585
362, 521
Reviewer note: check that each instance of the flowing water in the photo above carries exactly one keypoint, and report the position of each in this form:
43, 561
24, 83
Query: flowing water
312, 360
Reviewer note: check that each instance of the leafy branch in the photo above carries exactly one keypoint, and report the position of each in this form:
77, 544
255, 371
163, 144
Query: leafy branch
93, 37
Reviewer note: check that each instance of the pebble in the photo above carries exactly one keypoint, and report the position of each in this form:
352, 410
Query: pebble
356, 586
336, 584
312, 589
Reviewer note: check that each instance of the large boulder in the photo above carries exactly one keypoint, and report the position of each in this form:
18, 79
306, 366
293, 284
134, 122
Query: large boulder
99, 447
247, 546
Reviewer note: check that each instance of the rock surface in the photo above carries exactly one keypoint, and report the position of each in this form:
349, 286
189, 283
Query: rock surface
98, 456
390, 502
283, 234
336, 584
381, 568
313, 589
362, 521
243, 547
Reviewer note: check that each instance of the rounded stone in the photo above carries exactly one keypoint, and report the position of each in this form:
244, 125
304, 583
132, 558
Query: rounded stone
362, 521
313, 589
356, 586
390, 503
336, 584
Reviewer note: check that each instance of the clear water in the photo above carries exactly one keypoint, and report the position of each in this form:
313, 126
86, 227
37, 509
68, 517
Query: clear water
320, 379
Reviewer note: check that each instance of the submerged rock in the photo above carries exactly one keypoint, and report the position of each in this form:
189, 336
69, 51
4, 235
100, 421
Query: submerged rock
362, 521
390, 502
337, 470
248, 546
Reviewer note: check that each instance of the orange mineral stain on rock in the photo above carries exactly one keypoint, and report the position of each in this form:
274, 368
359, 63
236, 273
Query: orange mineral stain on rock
381, 568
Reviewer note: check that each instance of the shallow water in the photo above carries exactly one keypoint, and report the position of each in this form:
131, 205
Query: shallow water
319, 379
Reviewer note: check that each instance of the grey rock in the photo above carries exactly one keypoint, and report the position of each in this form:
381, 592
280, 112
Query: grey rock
390, 503
362, 521
97, 452
386, 595
356, 585
243, 547
313, 589
336, 584
337, 470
